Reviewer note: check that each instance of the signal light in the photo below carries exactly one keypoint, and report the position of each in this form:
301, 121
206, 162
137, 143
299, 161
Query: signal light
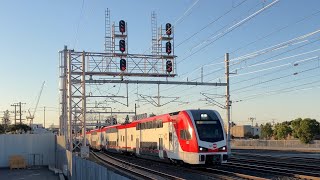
168, 47
122, 26
169, 66
168, 29
122, 45
123, 64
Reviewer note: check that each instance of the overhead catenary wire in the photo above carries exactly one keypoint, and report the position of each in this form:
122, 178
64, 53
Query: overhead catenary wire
259, 39
209, 24
230, 29
251, 16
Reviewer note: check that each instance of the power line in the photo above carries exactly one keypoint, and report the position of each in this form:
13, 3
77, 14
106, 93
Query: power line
209, 24
265, 36
230, 29
275, 92
78, 26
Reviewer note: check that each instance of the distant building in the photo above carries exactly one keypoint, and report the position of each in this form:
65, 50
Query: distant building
38, 129
54, 129
245, 131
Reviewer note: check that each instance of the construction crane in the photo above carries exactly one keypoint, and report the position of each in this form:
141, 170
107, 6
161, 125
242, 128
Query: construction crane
31, 116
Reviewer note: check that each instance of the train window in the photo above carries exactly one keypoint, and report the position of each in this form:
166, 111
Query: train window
182, 134
170, 136
185, 134
131, 137
188, 135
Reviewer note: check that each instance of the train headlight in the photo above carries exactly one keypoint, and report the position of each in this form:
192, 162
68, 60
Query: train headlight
202, 149
224, 148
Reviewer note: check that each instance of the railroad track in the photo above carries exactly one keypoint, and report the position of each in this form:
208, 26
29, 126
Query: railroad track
279, 171
194, 172
306, 167
286, 158
134, 170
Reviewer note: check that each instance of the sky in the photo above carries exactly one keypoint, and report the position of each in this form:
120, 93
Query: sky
279, 81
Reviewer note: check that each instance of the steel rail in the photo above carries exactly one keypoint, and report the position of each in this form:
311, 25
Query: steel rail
134, 167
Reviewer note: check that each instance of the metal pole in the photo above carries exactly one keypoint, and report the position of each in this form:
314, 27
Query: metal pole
127, 96
228, 102
69, 99
158, 95
15, 115
44, 117
84, 109
20, 112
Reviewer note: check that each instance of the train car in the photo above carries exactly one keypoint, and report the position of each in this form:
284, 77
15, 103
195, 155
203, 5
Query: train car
188, 136
96, 140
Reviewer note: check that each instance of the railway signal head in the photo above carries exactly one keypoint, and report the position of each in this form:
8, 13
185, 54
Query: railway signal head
122, 26
169, 66
122, 45
123, 64
168, 29
168, 48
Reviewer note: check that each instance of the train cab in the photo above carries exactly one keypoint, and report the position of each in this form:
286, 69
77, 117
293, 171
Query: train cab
201, 137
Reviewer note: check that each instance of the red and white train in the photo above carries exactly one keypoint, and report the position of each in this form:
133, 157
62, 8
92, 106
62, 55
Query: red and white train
188, 136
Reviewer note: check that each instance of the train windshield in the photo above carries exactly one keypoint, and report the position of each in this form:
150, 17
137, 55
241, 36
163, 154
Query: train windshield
208, 126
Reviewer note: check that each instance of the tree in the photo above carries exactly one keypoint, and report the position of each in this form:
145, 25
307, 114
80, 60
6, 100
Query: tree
305, 129
1, 129
308, 129
266, 131
6, 118
19, 127
282, 130
295, 125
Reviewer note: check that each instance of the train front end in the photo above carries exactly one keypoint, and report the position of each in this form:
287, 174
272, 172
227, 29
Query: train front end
210, 135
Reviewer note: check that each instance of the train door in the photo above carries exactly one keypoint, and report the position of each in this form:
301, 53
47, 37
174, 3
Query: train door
171, 141
125, 140
160, 147
137, 146
102, 140
117, 143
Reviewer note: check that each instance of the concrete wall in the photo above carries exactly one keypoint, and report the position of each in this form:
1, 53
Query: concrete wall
85, 169
37, 149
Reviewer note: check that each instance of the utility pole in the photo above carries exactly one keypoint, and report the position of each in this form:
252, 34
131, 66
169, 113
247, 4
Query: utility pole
44, 117
228, 104
20, 111
15, 113
252, 128
252, 119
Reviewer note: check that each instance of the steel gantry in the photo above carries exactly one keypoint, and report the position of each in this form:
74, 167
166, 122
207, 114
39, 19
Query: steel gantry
77, 69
